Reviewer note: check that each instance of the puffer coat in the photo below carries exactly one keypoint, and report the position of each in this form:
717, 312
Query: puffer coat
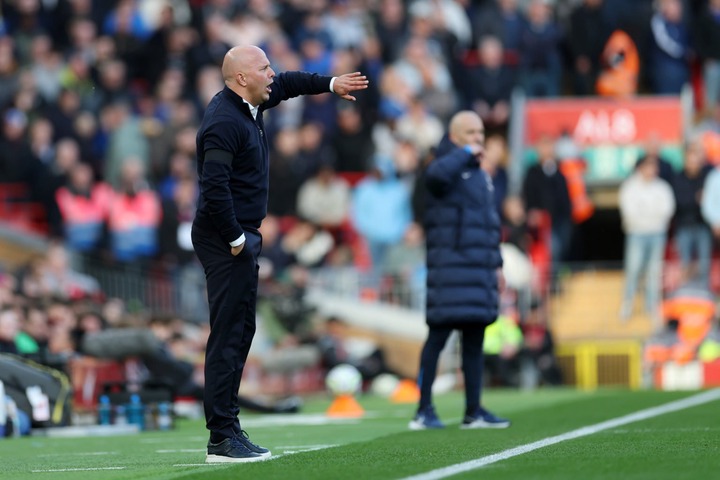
462, 230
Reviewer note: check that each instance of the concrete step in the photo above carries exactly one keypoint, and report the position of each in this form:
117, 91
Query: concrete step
588, 308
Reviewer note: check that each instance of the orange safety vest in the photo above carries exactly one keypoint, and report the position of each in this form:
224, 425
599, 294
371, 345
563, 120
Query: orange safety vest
78, 209
573, 170
694, 317
622, 65
141, 210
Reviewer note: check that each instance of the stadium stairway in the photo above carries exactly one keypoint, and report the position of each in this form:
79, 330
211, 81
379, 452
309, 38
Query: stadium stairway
17, 247
588, 308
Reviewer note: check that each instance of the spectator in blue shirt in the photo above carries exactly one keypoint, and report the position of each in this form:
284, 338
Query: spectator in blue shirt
540, 62
381, 209
670, 50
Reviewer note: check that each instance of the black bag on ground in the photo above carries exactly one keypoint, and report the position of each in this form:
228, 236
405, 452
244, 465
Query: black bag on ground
17, 374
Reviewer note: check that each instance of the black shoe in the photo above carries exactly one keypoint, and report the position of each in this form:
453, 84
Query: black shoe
426, 418
484, 419
244, 438
231, 450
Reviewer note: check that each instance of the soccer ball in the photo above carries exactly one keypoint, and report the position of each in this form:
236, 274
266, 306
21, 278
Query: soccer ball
444, 383
343, 379
384, 385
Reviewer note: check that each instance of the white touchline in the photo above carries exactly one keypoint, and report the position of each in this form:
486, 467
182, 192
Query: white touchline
175, 440
183, 450
302, 447
693, 401
78, 454
91, 469
299, 449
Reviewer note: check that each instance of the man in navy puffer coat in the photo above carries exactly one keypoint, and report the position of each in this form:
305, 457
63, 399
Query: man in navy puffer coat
462, 231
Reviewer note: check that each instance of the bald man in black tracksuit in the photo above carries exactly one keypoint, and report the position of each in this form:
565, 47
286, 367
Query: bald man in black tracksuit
232, 150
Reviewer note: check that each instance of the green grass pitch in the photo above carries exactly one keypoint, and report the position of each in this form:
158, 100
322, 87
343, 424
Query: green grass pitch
679, 445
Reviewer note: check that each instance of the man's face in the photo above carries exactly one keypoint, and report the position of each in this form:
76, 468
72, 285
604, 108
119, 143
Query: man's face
693, 159
672, 9
546, 149
470, 132
258, 79
649, 170
508, 5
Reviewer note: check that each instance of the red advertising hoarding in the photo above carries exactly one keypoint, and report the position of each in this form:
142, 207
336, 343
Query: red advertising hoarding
599, 121
610, 132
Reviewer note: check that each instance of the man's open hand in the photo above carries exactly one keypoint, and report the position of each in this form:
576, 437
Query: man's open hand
350, 82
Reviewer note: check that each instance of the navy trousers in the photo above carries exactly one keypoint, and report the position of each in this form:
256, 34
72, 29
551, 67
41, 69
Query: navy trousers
232, 284
472, 363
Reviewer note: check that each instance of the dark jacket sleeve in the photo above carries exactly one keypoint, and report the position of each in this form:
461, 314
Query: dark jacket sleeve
215, 180
702, 40
293, 84
530, 191
442, 172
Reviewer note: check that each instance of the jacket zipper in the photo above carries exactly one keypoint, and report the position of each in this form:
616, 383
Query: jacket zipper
458, 227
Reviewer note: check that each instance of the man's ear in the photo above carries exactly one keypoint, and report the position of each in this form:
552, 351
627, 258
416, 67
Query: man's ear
241, 80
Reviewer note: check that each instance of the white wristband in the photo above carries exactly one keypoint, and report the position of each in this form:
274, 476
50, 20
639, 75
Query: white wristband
239, 241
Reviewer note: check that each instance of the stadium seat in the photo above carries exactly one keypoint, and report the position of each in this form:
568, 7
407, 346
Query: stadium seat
90, 377
19, 210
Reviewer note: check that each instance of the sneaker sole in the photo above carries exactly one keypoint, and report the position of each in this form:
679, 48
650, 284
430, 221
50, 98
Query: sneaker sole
413, 425
224, 459
481, 424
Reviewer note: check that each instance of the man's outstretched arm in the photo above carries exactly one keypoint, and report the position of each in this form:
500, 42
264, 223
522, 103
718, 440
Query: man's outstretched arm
344, 85
292, 84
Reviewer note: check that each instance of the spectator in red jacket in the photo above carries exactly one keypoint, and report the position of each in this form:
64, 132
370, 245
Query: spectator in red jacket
84, 205
135, 215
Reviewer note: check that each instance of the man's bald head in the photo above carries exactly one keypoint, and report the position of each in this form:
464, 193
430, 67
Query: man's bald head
237, 60
246, 70
466, 128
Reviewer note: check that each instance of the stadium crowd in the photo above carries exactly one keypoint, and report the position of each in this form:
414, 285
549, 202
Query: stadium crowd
101, 100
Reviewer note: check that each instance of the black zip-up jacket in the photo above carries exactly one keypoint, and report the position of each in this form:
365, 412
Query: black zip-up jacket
687, 198
707, 36
234, 186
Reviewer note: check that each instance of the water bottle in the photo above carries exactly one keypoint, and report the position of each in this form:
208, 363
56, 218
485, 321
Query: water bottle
136, 411
13, 415
104, 410
164, 419
121, 415
150, 418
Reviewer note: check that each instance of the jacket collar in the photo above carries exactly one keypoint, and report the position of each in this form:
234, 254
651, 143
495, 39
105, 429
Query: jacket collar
238, 101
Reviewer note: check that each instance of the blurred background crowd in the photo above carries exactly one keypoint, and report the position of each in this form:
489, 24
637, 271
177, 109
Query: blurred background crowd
100, 102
